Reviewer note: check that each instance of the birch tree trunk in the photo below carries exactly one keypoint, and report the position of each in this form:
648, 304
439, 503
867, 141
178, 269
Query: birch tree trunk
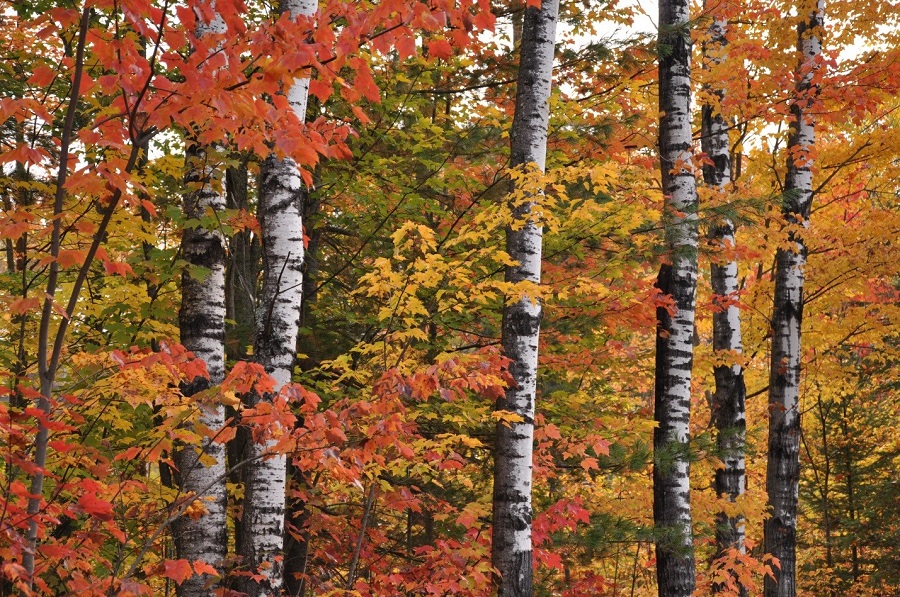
201, 469
783, 467
512, 513
731, 392
297, 512
201, 320
278, 317
678, 279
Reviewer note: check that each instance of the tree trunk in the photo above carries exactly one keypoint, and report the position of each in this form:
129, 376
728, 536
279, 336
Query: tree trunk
512, 513
296, 548
202, 324
849, 463
281, 201
678, 279
783, 468
48, 355
201, 320
731, 392
297, 512
18, 262
242, 270
241, 273
826, 483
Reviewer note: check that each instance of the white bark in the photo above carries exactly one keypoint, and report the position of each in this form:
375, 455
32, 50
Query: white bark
730, 395
278, 318
674, 343
512, 511
202, 329
783, 467
202, 325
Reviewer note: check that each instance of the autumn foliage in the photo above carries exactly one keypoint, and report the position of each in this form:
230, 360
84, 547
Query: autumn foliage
389, 422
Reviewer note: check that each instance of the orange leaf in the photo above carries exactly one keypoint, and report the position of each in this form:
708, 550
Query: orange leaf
122, 269
321, 89
405, 43
467, 519
440, 48
70, 257
335, 435
178, 570
151, 209
201, 567
42, 76
18, 225
96, 507
21, 305
552, 431
56, 551
485, 20
601, 447
590, 463
85, 226
360, 115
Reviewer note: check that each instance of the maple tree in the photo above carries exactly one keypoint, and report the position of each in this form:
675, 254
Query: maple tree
132, 131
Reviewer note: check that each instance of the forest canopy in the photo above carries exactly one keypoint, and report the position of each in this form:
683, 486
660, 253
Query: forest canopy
449, 297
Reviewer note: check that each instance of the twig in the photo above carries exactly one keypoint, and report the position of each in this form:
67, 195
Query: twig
351, 575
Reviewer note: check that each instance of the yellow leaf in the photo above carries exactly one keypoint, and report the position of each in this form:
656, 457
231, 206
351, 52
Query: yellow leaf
229, 398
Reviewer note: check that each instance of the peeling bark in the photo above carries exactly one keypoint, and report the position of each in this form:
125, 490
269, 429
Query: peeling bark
783, 467
678, 279
512, 511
